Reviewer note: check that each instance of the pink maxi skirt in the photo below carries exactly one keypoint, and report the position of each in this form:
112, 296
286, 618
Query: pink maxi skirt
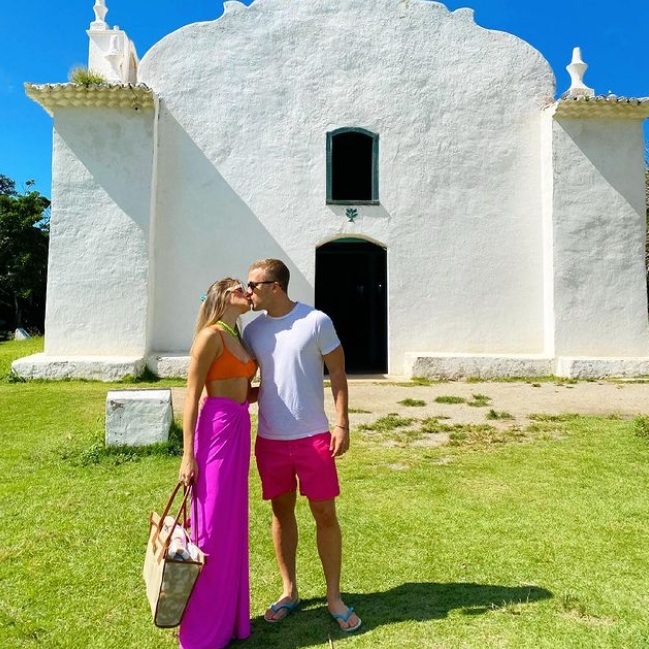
219, 607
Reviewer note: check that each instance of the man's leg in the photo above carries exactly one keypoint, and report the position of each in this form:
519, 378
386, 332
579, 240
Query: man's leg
329, 540
285, 541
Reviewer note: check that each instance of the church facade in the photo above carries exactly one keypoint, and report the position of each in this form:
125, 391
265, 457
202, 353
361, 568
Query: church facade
412, 168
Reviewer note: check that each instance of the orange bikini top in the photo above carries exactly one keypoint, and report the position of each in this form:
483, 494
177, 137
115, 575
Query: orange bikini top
228, 366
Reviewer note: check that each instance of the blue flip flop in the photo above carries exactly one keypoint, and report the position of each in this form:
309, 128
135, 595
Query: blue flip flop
345, 618
289, 607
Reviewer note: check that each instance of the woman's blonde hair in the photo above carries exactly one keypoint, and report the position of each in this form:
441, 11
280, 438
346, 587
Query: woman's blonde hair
215, 303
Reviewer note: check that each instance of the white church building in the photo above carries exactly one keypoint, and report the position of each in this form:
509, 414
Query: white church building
412, 168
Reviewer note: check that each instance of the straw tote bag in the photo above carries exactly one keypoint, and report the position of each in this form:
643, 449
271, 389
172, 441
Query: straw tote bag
170, 579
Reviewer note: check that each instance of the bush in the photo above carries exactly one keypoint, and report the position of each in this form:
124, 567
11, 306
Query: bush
85, 77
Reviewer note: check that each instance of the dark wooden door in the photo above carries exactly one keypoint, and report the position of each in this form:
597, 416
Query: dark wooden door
351, 288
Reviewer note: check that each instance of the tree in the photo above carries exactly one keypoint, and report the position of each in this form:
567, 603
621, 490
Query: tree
7, 186
24, 240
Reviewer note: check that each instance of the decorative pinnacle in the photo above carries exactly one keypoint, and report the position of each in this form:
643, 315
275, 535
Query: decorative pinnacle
113, 48
100, 13
576, 70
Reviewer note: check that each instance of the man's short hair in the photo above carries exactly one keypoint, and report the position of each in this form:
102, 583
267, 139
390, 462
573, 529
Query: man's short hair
276, 270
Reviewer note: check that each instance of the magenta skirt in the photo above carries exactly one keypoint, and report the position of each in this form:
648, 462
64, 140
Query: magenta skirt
219, 607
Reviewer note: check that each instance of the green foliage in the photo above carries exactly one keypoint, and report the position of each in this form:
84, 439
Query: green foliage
641, 426
413, 403
98, 452
387, 423
147, 376
449, 399
24, 240
473, 545
421, 380
498, 414
12, 377
479, 400
13, 349
7, 186
480, 436
567, 416
84, 77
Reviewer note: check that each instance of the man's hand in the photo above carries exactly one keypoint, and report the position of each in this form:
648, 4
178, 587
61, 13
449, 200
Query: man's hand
339, 441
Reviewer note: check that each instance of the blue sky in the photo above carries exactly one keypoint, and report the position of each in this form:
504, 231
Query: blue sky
41, 41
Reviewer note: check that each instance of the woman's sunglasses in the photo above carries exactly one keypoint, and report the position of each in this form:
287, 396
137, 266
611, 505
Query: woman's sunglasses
237, 287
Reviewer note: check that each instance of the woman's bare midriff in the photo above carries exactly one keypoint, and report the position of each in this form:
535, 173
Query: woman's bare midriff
234, 389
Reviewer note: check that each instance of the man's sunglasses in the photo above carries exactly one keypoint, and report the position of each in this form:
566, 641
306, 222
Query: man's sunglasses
253, 285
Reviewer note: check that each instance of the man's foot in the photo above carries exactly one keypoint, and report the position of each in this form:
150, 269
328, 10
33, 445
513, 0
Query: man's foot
347, 620
280, 609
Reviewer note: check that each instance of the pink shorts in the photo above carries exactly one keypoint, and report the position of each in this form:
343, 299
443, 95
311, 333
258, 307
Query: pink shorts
281, 463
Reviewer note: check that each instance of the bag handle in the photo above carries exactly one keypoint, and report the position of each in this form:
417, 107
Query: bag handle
183, 508
193, 520
194, 517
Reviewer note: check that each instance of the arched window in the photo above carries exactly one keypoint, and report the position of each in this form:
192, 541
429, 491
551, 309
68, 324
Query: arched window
352, 167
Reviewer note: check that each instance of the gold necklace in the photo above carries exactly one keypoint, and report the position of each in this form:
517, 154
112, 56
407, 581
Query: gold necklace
228, 328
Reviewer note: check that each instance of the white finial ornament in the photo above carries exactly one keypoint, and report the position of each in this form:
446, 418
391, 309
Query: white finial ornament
113, 48
100, 14
576, 70
111, 53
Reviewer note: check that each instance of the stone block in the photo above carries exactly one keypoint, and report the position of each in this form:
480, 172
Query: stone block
598, 368
480, 366
138, 417
168, 365
93, 368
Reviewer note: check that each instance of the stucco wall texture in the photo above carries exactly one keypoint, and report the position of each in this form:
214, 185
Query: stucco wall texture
246, 104
508, 232
97, 294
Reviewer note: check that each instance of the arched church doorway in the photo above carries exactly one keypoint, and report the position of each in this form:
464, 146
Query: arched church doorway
351, 288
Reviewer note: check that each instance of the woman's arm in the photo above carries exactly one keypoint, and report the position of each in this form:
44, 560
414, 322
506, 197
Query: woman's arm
207, 346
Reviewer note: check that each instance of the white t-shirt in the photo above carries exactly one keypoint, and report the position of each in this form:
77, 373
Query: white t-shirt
289, 351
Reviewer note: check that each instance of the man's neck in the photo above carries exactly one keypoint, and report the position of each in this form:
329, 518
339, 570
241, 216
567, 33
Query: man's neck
282, 308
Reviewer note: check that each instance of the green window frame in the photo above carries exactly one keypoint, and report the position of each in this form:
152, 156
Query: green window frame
374, 197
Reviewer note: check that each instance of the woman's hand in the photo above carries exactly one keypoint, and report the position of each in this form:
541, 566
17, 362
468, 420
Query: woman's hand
188, 470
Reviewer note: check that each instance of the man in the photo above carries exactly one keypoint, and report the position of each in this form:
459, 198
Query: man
290, 342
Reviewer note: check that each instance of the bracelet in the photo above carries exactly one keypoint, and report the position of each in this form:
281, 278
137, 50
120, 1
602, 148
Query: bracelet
343, 427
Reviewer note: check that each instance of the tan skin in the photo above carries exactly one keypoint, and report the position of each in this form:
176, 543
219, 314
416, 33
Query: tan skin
208, 345
272, 298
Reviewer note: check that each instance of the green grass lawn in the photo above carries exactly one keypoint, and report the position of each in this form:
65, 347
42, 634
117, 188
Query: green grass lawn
530, 541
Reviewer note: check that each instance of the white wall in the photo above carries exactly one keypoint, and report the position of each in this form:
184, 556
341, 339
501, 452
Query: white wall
247, 101
600, 296
97, 292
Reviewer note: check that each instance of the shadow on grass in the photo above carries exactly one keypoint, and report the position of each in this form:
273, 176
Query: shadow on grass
411, 602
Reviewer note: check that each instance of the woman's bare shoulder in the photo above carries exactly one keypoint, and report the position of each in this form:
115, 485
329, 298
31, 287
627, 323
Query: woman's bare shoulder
208, 339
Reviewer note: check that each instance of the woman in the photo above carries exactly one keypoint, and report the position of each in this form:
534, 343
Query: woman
216, 450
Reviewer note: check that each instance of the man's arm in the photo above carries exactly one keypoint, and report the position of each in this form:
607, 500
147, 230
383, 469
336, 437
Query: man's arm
335, 362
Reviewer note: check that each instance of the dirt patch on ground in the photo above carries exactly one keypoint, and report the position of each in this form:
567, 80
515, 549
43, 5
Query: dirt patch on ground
519, 400
371, 399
